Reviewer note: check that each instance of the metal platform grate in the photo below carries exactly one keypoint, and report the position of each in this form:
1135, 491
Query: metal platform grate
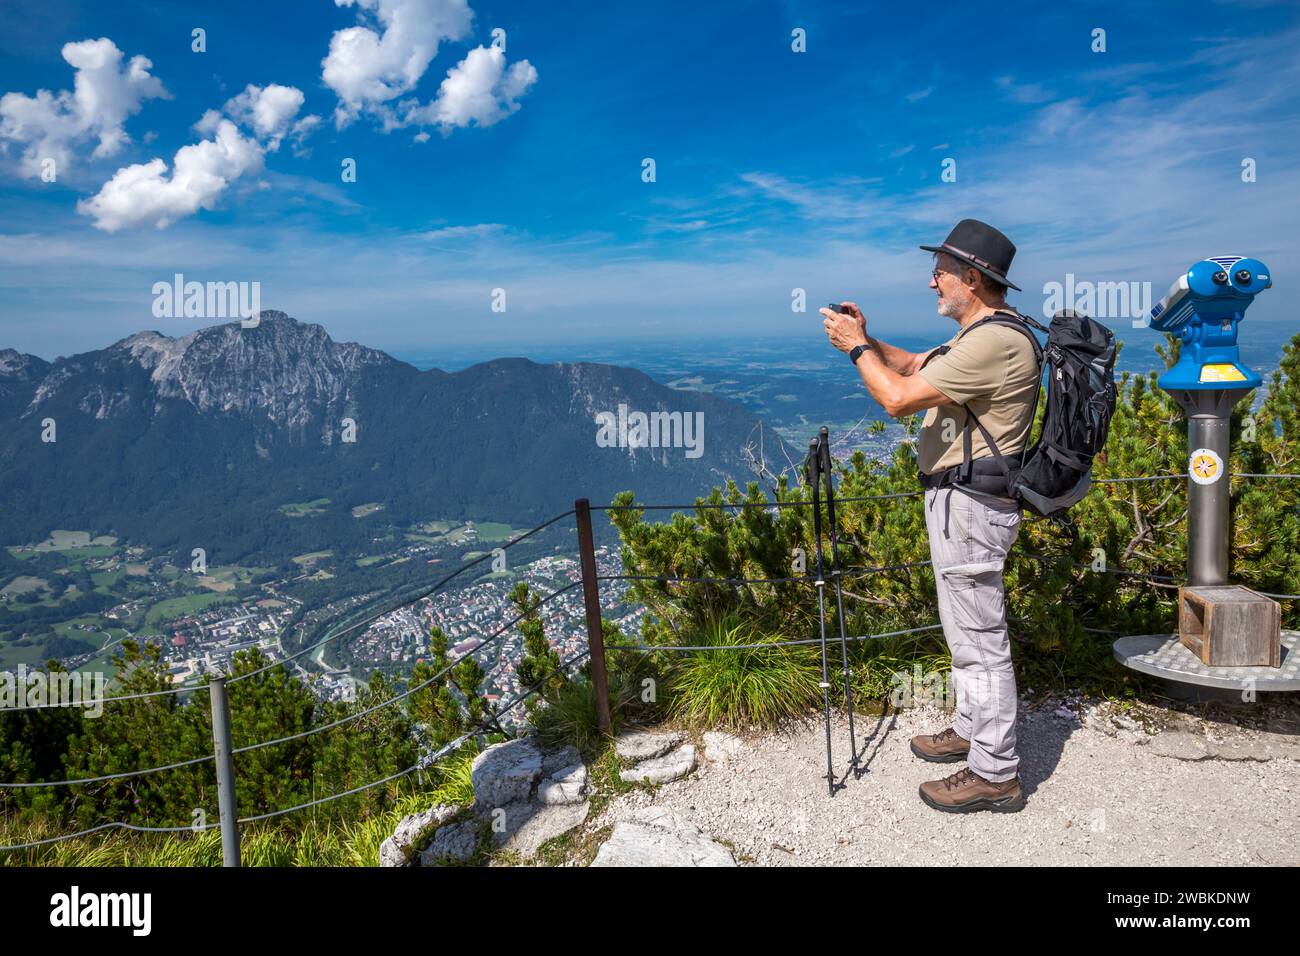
1162, 655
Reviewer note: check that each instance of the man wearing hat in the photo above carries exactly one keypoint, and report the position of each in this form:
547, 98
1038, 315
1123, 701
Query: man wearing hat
992, 373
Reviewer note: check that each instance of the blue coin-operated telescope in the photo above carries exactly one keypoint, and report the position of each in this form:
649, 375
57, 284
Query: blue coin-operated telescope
1203, 308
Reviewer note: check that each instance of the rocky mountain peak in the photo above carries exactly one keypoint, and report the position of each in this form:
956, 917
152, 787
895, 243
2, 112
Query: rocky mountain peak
281, 368
17, 365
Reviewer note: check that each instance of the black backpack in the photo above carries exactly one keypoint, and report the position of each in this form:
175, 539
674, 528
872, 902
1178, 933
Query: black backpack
1056, 472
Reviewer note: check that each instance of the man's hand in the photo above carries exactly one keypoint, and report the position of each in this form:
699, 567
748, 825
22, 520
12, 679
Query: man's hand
845, 331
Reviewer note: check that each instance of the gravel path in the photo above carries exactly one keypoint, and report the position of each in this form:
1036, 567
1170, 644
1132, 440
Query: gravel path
1147, 787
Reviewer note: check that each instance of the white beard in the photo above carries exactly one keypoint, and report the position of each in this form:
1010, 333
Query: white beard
949, 308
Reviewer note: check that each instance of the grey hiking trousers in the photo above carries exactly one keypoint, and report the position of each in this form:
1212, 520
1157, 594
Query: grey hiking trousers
970, 537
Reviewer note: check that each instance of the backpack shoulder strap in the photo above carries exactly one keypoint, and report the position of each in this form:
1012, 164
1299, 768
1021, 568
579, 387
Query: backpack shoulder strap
1008, 317
935, 353
1018, 320
1012, 319
1015, 320
1020, 316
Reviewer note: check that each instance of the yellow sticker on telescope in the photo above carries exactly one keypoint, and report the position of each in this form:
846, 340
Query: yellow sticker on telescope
1221, 373
1204, 466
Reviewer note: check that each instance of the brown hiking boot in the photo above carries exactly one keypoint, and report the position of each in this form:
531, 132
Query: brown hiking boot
944, 747
966, 790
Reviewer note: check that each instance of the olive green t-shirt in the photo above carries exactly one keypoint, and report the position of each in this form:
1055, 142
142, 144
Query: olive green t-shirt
993, 371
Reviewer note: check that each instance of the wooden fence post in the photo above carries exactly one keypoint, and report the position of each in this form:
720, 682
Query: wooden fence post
591, 599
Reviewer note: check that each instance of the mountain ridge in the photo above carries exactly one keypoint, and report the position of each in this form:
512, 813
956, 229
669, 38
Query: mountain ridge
168, 439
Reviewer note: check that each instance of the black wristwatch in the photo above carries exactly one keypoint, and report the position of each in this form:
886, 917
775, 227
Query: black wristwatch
856, 353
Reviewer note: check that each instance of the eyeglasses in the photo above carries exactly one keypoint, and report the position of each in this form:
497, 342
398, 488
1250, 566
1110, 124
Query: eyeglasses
939, 272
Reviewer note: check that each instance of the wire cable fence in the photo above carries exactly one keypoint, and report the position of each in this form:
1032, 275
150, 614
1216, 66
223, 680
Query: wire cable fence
424, 591
1161, 580
298, 736
764, 645
590, 581
715, 505
410, 690
801, 579
407, 602
125, 775
486, 724
93, 701
482, 727
491, 720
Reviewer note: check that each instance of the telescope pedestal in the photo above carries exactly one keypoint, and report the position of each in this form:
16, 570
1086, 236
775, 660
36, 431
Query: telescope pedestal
1208, 429
1203, 309
1164, 656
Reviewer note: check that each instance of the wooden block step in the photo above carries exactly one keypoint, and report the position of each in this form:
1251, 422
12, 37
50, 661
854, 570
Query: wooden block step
1229, 625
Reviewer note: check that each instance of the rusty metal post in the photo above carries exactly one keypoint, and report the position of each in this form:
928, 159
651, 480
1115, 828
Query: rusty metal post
591, 599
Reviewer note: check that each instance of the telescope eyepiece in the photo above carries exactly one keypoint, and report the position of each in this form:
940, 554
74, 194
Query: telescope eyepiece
1243, 276
1220, 278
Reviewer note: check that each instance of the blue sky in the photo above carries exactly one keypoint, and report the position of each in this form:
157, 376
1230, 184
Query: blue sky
775, 170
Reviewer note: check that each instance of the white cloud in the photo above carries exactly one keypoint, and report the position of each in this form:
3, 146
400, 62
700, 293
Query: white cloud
1026, 94
269, 112
105, 92
851, 199
386, 55
208, 122
144, 194
479, 90
477, 231
300, 131
1105, 199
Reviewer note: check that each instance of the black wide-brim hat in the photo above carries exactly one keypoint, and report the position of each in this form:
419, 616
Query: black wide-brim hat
981, 246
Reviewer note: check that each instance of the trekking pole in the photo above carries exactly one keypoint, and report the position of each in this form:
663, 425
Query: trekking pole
812, 470
825, 454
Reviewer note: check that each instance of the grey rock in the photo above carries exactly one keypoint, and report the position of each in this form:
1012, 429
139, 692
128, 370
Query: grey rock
653, 836
721, 746
559, 760
1282, 725
1264, 746
505, 773
399, 848
1182, 745
528, 825
568, 785
670, 766
641, 745
454, 843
